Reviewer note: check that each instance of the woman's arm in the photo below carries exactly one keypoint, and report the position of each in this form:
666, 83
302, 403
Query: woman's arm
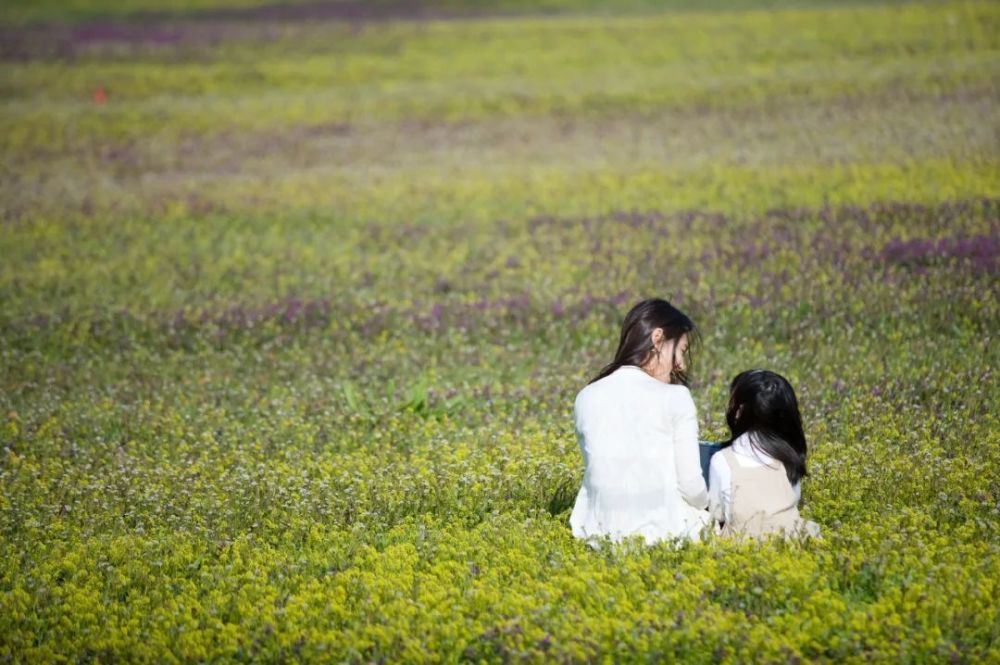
687, 455
581, 441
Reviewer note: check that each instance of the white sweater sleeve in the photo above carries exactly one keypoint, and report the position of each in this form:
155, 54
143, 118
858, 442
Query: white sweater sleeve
687, 455
578, 430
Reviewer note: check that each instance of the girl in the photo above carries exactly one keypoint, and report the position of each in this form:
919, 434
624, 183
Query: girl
638, 431
754, 480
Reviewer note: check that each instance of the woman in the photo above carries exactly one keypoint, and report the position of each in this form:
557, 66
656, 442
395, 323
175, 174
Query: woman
638, 431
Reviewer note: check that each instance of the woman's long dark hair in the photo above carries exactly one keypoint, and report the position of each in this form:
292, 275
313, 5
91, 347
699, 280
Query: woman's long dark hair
635, 347
763, 403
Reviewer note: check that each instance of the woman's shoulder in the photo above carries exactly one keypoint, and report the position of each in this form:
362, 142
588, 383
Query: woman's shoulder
591, 388
640, 380
633, 381
612, 382
589, 394
677, 396
677, 391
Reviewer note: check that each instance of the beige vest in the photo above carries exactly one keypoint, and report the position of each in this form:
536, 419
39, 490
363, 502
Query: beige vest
763, 500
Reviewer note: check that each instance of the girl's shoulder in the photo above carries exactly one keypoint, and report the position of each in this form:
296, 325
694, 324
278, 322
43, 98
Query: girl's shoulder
720, 458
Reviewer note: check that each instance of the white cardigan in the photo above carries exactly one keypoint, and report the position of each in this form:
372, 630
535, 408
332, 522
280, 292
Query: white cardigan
639, 439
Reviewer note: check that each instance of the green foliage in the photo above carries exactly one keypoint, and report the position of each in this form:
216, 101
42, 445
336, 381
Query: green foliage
292, 319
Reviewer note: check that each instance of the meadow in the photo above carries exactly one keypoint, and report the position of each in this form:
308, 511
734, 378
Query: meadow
295, 299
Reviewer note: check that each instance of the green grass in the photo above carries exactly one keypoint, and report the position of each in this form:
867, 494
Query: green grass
291, 325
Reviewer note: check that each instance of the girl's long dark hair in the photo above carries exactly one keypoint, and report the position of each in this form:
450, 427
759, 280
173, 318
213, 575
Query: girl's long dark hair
635, 346
763, 403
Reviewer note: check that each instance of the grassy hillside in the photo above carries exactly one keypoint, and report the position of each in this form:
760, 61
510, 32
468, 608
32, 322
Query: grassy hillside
294, 304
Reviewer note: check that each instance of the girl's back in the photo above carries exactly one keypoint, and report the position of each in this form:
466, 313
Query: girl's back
762, 499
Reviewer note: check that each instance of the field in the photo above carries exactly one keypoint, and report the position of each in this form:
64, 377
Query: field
294, 302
